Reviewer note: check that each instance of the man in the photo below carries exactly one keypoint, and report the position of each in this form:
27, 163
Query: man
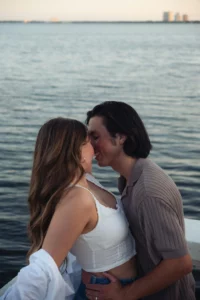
152, 204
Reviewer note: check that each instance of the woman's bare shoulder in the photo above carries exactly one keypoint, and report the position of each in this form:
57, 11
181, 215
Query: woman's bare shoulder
76, 195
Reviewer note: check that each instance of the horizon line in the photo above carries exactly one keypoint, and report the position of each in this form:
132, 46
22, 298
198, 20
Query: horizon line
55, 20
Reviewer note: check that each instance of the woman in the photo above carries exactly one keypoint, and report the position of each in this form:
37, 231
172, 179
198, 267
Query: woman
71, 211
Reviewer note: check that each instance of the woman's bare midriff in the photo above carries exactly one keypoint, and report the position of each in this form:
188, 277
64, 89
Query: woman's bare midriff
124, 271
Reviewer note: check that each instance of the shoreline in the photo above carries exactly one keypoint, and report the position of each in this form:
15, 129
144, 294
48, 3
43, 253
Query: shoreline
98, 22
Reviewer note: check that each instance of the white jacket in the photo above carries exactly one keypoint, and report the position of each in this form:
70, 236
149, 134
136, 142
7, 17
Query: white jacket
42, 279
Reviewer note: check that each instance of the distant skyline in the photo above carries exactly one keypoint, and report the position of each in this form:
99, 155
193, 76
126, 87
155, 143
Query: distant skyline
96, 10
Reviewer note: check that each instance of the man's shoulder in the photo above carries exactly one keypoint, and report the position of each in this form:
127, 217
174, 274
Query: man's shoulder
151, 166
156, 183
153, 174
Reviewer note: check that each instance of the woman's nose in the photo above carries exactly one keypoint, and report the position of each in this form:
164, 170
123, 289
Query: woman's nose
93, 145
92, 141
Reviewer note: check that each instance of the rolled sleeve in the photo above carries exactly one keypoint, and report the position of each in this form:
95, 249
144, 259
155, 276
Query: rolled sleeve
40, 280
162, 228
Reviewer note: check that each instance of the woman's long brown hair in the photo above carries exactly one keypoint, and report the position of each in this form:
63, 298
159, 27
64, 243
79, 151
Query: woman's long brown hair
56, 164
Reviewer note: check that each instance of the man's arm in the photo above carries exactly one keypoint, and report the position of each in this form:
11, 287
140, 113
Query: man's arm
165, 274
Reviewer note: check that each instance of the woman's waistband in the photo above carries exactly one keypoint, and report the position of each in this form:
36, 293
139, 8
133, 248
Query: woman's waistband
89, 278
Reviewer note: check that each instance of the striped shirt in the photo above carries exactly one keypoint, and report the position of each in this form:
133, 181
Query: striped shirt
153, 206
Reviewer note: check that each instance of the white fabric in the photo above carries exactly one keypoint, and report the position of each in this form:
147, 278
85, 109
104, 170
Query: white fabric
192, 233
42, 280
109, 244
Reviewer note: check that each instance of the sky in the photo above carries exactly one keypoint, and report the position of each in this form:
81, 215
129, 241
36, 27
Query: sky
96, 10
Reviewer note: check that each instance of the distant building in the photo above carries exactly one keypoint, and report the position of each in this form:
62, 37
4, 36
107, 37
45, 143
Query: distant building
168, 16
54, 20
177, 17
185, 18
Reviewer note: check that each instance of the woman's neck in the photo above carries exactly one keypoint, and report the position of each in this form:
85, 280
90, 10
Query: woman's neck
82, 181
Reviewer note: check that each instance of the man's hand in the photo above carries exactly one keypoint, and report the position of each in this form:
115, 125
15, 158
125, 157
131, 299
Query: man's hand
111, 291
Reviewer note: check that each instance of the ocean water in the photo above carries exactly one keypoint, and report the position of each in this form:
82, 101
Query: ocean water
50, 70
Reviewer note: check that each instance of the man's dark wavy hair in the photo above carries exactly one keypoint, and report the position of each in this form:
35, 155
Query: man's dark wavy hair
121, 118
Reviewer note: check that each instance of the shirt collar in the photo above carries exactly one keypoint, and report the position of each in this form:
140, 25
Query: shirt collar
135, 174
136, 171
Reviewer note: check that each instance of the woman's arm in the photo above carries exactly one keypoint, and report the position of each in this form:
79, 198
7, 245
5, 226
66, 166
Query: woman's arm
71, 217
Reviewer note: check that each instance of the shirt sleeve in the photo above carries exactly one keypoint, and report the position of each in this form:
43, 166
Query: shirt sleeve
41, 279
162, 228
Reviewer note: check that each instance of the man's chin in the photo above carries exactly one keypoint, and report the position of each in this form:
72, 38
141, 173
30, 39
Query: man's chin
101, 163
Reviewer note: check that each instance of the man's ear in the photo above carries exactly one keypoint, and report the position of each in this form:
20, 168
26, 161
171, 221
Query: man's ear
121, 137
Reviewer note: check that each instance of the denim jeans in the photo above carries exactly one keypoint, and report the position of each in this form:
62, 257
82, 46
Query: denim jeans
81, 295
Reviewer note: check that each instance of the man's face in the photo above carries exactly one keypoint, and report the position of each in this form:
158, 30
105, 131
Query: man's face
106, 147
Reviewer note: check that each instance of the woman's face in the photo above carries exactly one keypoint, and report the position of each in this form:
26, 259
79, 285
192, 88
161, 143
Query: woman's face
87, 154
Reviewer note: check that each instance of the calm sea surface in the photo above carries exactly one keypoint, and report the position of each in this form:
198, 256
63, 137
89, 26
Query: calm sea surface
50, 70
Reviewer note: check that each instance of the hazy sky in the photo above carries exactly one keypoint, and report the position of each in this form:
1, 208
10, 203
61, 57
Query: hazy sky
96, 9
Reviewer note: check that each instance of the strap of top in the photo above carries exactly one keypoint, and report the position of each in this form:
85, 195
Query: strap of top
78, 185
92, 179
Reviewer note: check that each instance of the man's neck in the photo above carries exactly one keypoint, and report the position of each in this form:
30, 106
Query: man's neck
124, 165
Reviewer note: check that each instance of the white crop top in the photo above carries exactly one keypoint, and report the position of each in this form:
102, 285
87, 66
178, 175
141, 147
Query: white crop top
110, 243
